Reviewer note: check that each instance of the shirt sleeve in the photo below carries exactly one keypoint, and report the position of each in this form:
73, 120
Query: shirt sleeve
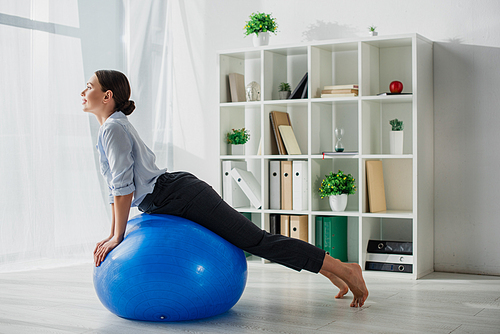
117, 146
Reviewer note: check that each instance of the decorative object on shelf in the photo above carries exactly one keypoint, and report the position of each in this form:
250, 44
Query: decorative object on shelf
375, 186
284, 91
396, 136
396, 87
261, 25
300, 92
253, 91
236, 140
339, 133
371, 30
337, 187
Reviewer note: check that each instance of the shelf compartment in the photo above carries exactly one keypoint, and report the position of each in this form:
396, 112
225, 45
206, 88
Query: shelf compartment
389, 229
237, 117
299, 120
283, 65
325, 117
384, 62
247, 63
333, 64
376, 128
398, 187
320, 168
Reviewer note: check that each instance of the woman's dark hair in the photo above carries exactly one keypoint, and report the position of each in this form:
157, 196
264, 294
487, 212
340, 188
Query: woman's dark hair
117, 82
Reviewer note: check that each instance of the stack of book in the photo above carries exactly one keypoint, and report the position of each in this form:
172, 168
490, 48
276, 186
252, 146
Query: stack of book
340, 91
285, 141
385, 255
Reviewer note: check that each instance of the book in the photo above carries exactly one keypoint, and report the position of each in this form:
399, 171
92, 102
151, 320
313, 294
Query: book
237, 87
351, 86
299, 185
386, 93
288, 137
339, 95
249, 184
275, 184
300, 91
339, 91
319, 232
375, 186
335, 236
279, 118
274, 224
398, 267
339, 153
286, 185
231, 191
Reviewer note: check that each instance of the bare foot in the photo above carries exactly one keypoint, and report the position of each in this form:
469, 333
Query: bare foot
349, 273
357, 285
343, 288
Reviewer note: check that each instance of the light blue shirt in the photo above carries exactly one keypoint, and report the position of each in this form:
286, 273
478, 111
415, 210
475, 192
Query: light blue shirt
127, 164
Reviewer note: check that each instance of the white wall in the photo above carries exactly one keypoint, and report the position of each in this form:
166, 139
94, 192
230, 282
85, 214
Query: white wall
466, 106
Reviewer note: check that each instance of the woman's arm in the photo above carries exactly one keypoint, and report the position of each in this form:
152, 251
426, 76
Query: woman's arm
121, 209
100, 243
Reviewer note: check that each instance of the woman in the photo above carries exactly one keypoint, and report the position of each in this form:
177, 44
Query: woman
133, 178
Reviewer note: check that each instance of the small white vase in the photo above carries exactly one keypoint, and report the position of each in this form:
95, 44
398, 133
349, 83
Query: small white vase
261, 39
396, 142
236, 149
338, 202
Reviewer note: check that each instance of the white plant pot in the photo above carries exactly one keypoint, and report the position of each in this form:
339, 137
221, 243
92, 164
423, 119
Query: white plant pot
262, 39
236, 149
338, 202
396, 142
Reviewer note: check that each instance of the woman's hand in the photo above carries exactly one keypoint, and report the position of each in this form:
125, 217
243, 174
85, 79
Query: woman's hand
100, 243
103, 249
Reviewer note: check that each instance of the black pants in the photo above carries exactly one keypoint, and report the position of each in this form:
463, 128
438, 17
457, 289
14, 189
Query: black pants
184, 195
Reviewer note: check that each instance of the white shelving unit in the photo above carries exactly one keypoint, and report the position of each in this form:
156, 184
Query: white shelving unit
372, 63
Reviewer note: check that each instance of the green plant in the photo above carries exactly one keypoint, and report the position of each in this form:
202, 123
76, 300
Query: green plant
372, 28
260, 22
396, 125
284, 87
238, 137
337, 184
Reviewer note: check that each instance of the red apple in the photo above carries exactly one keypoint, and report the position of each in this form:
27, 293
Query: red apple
396, 87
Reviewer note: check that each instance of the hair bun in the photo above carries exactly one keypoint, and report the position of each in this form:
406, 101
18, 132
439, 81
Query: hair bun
128, 107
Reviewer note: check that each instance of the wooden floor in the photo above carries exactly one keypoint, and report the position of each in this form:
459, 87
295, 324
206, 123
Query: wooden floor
276, 300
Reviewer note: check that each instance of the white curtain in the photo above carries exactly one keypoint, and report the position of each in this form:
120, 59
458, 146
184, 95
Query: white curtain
52, 210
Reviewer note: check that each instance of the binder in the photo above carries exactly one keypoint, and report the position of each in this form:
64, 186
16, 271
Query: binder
285, 225
275, 185
288, 137
300, 92
335, 236
299, 185
237, 87
274, 224
279, 118
399, 267
298, 227
249, 185
231, 192
286, 185
319, 232
389, 258
390, 247
375, 185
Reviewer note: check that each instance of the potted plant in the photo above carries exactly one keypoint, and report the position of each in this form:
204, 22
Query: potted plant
236, 140
284, 90
396, 136
337, 187
261, 25
372, 31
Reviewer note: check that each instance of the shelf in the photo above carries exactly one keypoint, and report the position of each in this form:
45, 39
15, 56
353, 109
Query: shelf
371, 63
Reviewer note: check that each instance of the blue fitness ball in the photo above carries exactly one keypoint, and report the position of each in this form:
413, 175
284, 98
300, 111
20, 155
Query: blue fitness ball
168, 268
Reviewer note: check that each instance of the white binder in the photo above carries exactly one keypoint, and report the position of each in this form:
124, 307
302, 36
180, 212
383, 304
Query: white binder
299, 185
275, 185
389, 258
249, 184
231, 191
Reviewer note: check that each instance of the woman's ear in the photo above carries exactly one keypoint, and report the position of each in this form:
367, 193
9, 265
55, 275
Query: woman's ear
108, 96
